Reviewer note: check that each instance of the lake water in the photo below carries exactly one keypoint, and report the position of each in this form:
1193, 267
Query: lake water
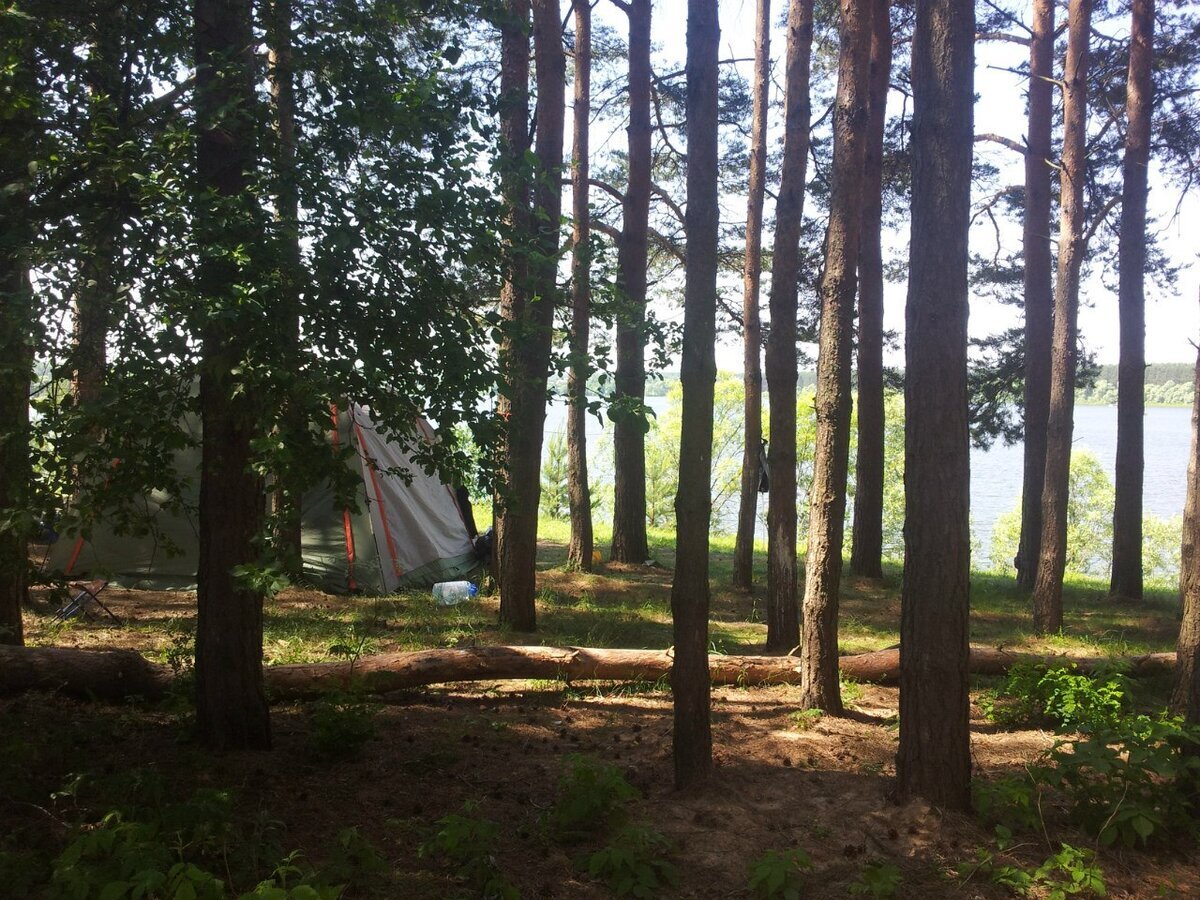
996, 473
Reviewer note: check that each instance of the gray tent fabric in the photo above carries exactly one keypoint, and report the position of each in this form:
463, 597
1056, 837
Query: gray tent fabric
403, 531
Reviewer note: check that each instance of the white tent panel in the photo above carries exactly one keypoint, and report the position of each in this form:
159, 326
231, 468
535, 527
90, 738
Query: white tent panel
416, 523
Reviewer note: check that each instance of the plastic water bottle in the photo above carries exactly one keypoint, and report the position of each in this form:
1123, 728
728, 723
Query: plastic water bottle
450, 593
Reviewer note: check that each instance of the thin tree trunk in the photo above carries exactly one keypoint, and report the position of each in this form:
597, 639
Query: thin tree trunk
18, 139
579, 551
1185, 699
286, 498
934, 757
1039, 287
1131, 376
698, 372
1047, 589
510, 563
231, 705
97, 291
823, 562
743, 551
783, 615
629, 429
866, 552
529, 348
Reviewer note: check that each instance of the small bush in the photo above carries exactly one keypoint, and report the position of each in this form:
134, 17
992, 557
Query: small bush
804, 719
779, 874
1068, 872
634, 864
1012, 803
1133, 784
1060, 698
468, 843
339, 725
879, 879
591, 799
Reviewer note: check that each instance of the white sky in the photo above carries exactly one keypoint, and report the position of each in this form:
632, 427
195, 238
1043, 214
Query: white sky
1171, 320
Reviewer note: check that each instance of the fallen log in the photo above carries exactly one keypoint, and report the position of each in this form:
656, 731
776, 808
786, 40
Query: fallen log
116, 674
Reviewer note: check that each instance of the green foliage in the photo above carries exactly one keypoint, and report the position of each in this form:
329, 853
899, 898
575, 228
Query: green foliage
340, 725
555, 501
804, 719
779, 874
592, 796
634, 863
1070, 871
879, 879
173, 851
1011, 804
468, 843
1089, 528
1134, 783
1059, 697
662, 453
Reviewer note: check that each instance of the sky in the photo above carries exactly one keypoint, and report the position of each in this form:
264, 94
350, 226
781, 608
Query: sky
1172, 318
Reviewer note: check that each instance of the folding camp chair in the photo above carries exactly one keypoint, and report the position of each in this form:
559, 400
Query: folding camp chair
87, 592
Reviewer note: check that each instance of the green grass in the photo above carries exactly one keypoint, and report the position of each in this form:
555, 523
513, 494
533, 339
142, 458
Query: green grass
629, 606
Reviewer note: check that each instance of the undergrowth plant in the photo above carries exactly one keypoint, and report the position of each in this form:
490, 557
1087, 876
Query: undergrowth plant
592, 798
1058, 697
467, 841
779, 874
340, 724
1134, 784
879, 879
634, 863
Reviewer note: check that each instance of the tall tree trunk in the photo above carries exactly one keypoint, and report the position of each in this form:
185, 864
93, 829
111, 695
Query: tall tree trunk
286, 498
1131, 375
629, 428
19, 132
698, 372
1052, 560
231, 705
1185, 699
97, 291
783, 615
515, 578
743, 551
579, 551
934, 757
1039, 287
529, 348
866, 552
820, 688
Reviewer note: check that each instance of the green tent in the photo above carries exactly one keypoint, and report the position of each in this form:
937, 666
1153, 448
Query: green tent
405, 529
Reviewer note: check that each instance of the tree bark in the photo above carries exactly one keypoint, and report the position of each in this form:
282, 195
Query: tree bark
287, 497
1131, 375
1047, 589
231, 706
934, 756
579, 551
19, 133
1185, 698
116, 675
629, 427
743, 550
783, 615
831, 456
698, 372
866, 552
96, 294
516, 521
1039, 287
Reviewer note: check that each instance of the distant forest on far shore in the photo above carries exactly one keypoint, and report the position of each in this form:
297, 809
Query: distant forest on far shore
1167, 384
